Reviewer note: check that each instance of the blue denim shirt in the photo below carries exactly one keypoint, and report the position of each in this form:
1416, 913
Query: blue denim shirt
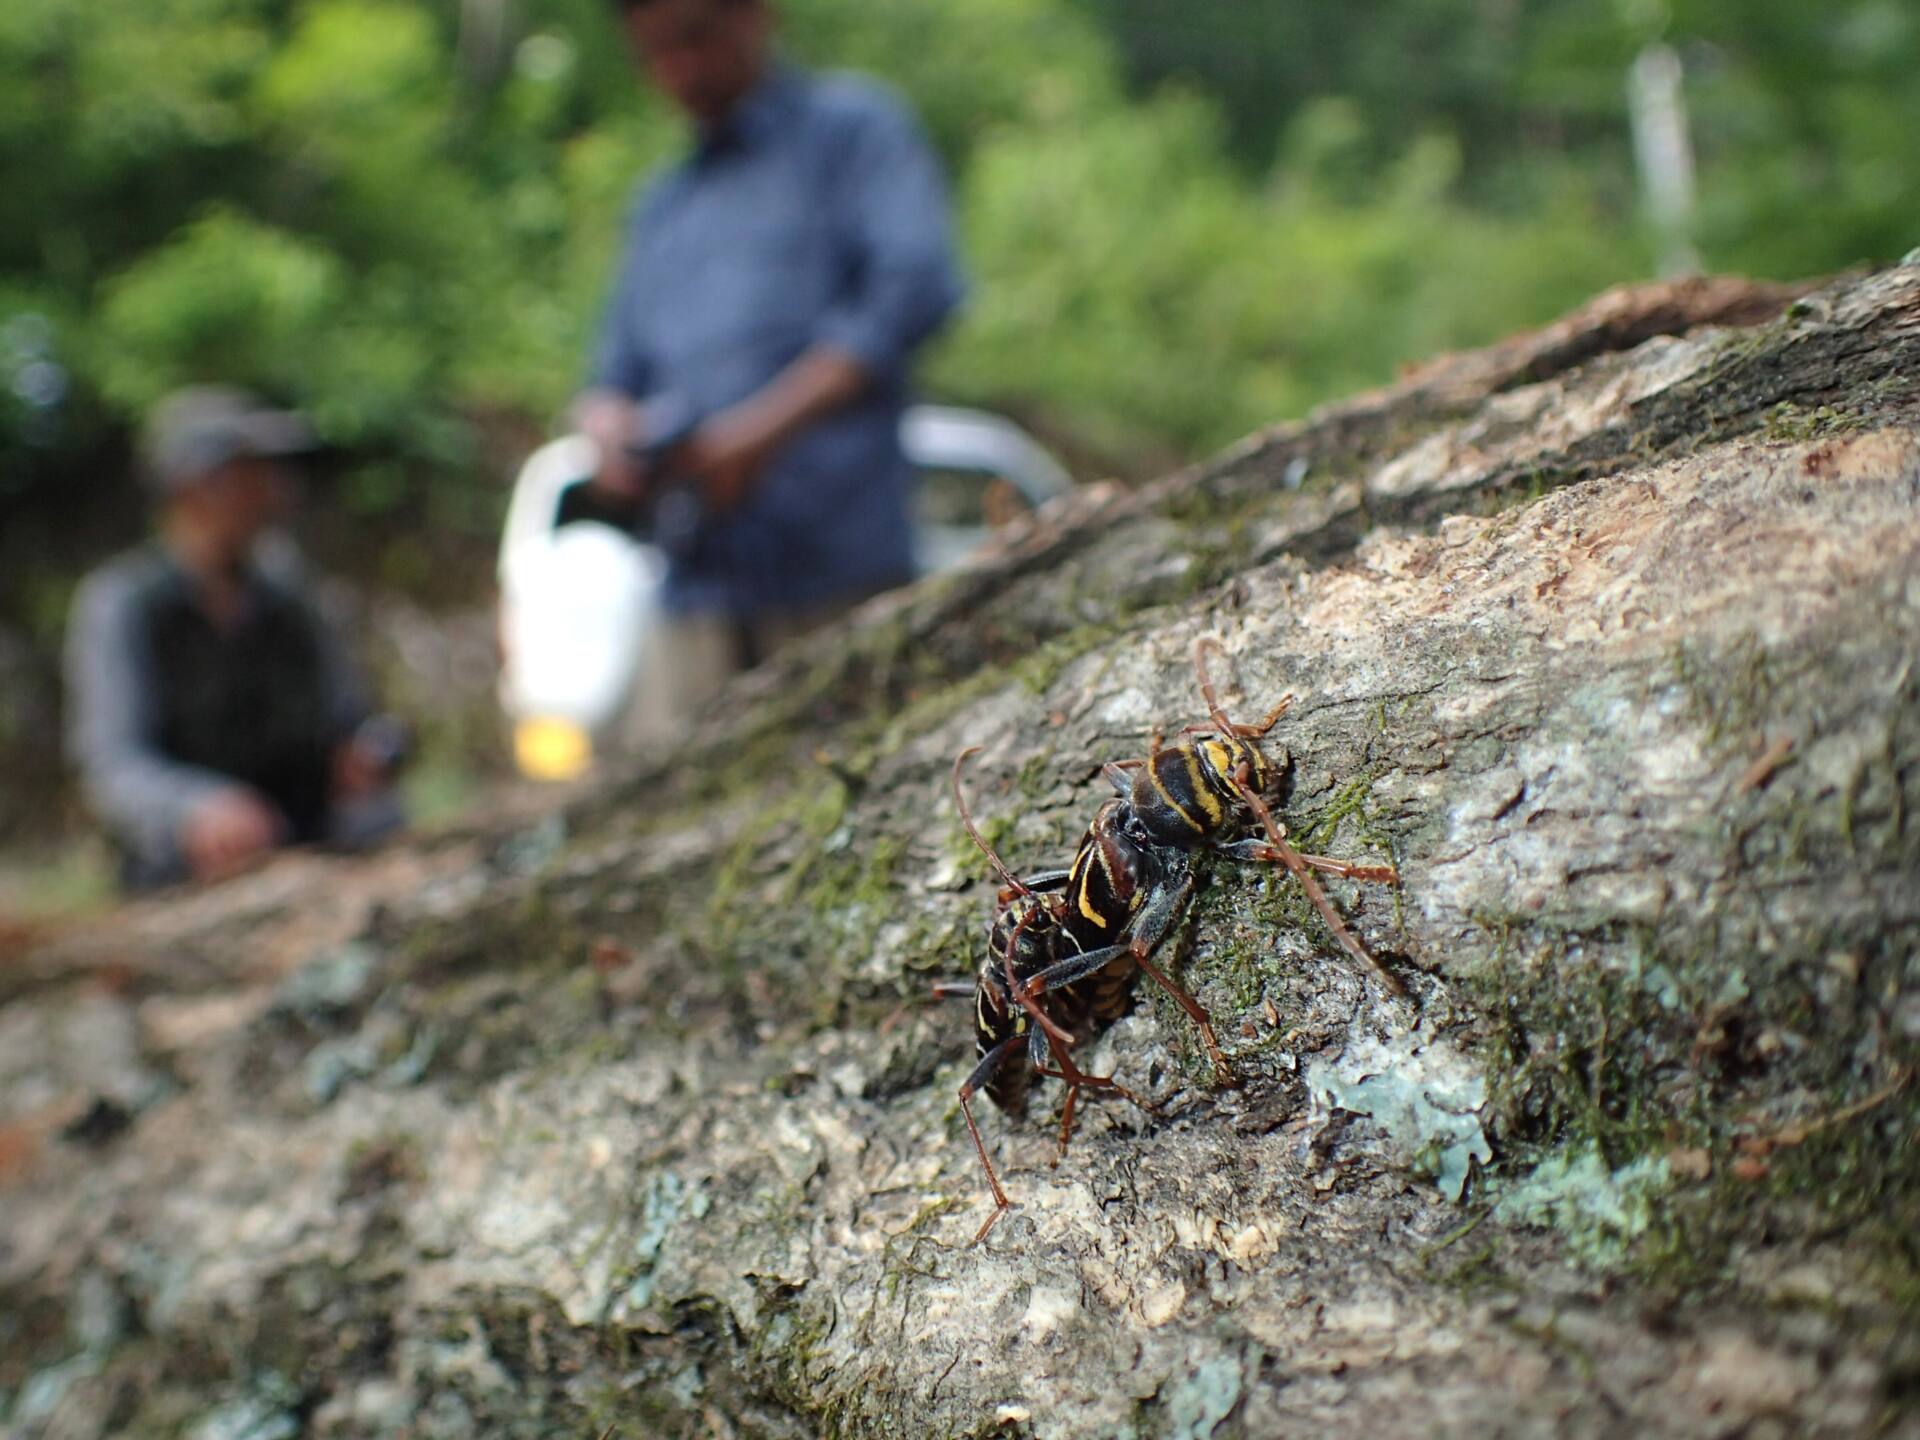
817, 214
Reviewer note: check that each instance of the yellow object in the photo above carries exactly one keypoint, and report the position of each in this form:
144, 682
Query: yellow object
548, 749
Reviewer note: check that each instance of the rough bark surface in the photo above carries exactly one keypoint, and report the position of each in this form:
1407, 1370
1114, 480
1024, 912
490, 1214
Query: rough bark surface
629, 1110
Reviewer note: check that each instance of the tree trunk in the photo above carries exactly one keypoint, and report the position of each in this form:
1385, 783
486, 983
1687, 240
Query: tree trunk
635, 1113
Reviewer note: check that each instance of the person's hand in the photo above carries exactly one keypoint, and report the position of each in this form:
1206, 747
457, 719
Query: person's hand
730, 450
228, 831
612, 422
727, 453
358, 770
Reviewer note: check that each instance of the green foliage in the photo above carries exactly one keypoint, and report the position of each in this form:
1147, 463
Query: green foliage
1183, 222
1085, 310
973, 70
1801, 114
1235, 306
225, 298
343, 203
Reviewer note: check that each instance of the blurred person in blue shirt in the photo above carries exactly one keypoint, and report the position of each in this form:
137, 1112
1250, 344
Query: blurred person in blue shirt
774, 285
211, 710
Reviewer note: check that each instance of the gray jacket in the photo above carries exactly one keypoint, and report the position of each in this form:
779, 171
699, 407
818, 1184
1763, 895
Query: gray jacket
164, 710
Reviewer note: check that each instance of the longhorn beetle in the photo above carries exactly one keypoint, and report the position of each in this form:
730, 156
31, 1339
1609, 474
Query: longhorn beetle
1200, 793
1064, 949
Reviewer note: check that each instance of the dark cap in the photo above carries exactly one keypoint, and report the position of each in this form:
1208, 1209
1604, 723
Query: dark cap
194, 432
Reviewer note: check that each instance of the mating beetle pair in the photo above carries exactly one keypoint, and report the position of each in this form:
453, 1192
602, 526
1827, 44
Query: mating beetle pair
1065, 947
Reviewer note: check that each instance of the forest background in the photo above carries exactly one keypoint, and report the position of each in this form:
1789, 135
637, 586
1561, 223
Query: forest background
1182, 223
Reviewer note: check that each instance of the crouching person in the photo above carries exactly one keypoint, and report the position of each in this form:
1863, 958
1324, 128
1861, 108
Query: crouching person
210, 710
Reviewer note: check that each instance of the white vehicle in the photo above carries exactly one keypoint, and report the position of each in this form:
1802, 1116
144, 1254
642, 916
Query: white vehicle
577, 597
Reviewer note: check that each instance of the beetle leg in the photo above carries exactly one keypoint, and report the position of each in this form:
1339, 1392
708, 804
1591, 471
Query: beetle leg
982, 1073
1255, 849
1260, 850
1066, 1118
1220, 722
1222, 1074
1303, 872
1049, 880
1063, 973
1076, 1081
1024, 995
1167, 901
1254, 732
1347, 870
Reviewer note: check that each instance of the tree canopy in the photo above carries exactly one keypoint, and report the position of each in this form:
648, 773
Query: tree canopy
1181, 223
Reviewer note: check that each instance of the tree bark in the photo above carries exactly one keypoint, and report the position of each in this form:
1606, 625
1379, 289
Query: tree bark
631, 1110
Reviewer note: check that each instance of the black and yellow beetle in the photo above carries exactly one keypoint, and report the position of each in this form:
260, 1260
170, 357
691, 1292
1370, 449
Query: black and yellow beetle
1204, 792
1063, 951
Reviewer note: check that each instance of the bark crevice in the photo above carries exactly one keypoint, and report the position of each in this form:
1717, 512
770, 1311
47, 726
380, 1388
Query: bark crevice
632, 1111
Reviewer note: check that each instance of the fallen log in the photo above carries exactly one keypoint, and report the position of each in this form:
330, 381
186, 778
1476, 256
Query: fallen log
634, 1115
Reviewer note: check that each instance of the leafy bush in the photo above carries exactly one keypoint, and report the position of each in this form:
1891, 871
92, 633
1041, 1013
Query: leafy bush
1182, 224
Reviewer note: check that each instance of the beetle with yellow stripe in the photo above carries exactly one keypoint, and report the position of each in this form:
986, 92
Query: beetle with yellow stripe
1204, 792
1064, 949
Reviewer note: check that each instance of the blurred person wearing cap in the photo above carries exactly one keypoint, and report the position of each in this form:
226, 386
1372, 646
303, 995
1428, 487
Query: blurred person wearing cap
774, 285
210, 709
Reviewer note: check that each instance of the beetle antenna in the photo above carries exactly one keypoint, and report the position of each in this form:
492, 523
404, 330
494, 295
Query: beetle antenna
1201, 644
1014, 882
